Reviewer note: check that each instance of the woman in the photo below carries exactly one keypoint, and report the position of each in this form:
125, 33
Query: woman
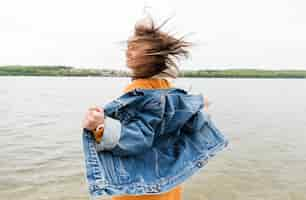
150, 56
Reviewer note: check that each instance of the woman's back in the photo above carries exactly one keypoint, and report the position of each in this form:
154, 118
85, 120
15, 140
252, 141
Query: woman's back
152, 83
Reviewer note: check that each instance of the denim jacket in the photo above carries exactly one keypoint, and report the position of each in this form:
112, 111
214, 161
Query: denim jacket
154, 139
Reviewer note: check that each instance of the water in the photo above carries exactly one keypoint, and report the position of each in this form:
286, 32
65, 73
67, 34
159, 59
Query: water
265, 119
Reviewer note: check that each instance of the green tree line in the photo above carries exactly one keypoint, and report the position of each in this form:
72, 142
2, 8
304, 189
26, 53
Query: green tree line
18, 70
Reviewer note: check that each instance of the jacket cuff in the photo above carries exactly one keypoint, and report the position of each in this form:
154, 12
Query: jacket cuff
111, 135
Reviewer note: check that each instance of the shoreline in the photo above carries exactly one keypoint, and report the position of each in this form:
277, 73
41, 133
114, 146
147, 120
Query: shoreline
20, 70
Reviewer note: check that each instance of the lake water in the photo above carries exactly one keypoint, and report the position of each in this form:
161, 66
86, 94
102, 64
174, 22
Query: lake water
265, 120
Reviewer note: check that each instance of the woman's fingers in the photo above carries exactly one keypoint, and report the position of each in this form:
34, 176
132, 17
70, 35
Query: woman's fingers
95, 108
87, 123
97, 114
206, 101
93, 117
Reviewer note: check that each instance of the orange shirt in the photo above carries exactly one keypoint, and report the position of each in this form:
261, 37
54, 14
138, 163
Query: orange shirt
175, 193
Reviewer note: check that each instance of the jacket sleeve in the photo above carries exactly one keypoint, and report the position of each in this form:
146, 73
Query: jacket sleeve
131, 138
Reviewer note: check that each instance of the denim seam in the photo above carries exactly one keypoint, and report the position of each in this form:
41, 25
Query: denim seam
185, 173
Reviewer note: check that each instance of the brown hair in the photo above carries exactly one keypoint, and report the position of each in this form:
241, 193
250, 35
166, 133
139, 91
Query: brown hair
158, 50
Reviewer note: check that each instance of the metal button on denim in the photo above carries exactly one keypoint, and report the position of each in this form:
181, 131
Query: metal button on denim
200, 164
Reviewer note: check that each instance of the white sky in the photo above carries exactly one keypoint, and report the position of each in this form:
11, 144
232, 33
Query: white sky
229, 33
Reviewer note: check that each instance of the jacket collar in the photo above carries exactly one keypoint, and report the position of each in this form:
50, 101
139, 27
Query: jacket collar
113, 108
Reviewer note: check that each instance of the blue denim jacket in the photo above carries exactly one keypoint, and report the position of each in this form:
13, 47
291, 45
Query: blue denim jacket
154, 139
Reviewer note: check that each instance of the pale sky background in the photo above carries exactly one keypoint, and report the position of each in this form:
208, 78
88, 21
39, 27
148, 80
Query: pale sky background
230, 33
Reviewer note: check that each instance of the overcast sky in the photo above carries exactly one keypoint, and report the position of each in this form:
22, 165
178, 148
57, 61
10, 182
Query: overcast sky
228, 33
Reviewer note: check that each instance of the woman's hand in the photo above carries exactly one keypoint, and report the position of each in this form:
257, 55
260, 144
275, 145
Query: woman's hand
206, 104
93, 117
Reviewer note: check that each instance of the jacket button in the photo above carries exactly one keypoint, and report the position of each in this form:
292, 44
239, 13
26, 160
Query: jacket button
200, 164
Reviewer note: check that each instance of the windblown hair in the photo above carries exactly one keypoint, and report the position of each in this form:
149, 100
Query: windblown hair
159, 50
